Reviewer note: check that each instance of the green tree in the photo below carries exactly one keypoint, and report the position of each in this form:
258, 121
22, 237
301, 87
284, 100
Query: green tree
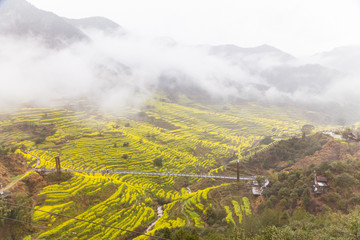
275, 233
355, 228
345, 180
306, 199
284, 218
269, 217
306, 130
158, 162
260, 180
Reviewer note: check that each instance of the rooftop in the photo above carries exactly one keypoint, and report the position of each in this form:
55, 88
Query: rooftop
321, 179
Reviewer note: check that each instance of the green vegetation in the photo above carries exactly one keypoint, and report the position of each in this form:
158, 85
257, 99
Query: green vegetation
158, 162
307, 129
287, 152
182, 137
54, 177
15, 230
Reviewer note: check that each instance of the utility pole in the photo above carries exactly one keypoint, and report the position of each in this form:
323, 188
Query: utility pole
238, 170
58, 168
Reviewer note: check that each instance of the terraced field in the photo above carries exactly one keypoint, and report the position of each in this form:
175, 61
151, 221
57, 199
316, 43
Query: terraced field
185, 138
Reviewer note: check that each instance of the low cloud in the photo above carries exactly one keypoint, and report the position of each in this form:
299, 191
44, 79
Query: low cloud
116, 71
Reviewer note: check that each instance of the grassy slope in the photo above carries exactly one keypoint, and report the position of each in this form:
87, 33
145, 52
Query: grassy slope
203, 139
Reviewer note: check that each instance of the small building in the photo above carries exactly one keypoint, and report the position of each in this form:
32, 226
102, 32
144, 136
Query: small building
320, 184
258, 190
332, 134
352, 137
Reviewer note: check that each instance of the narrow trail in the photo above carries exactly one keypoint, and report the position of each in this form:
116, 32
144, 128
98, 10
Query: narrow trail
37, 159
13, 183
160, 212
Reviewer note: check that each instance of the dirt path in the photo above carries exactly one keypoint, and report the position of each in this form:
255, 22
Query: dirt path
160, 212
13, 183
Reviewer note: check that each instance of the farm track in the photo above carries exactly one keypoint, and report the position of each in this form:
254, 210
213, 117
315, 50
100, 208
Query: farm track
13, 183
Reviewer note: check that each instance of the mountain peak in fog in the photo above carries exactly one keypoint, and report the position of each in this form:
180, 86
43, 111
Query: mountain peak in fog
113, 69
345, 58
97, 23
21, 19
230, 50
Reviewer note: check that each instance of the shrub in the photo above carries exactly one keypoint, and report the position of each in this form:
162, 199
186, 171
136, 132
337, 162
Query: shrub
283, 203
269, 217
266, 141
158, 162
341, 204
345, 180
39, 140
284, 192
332, 197
355, 199
53, 177
214, 216
270, 203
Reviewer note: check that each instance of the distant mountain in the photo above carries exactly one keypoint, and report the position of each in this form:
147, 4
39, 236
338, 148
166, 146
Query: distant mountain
312, 78
96, 23
346, 59
20, 18
236, 51
252, 71
278, 68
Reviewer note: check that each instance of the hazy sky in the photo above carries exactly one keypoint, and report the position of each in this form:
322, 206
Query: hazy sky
296, 26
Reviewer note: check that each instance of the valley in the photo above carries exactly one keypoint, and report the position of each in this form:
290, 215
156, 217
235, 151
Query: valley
189, 140
169, 149
186, 120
